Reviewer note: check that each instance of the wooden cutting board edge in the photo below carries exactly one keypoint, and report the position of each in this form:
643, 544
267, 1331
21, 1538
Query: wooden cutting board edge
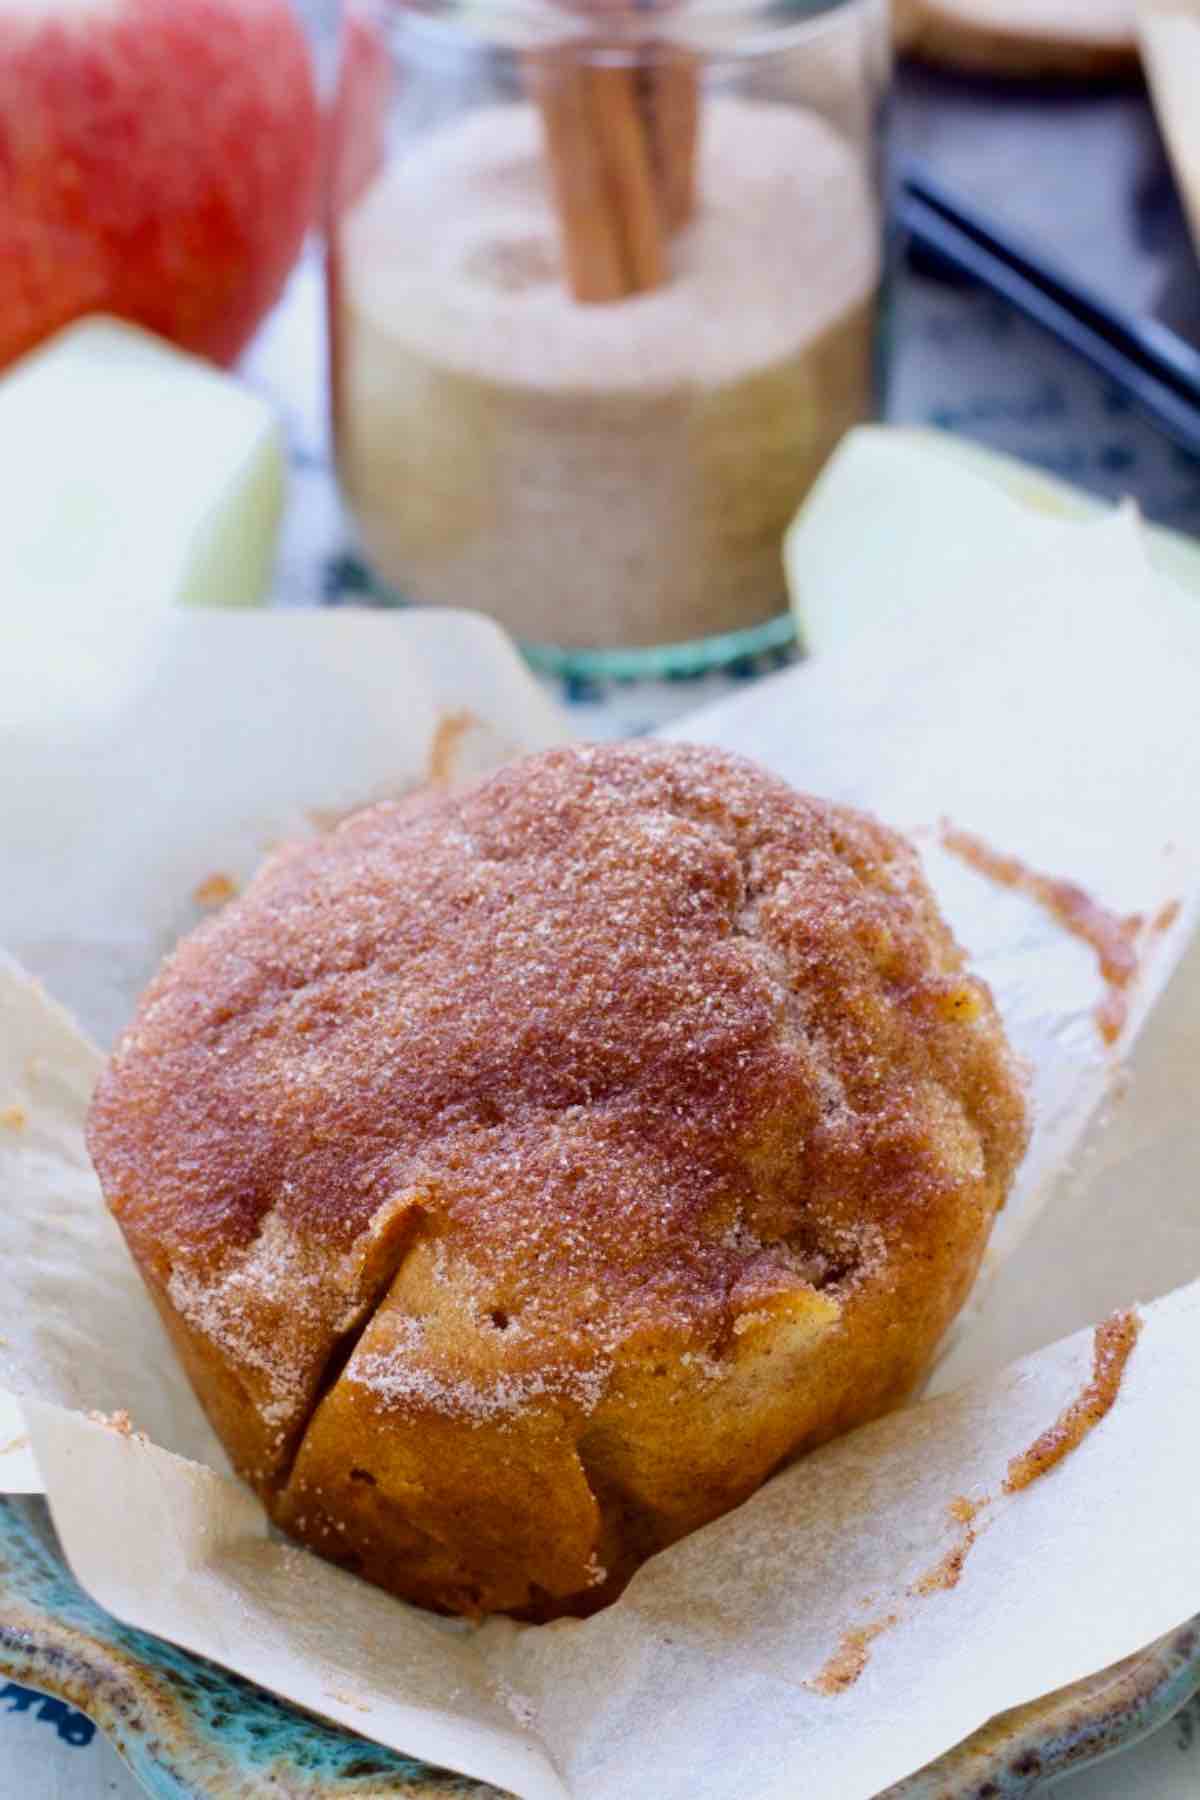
960, 34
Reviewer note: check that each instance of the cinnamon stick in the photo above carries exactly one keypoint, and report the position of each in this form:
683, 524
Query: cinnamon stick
670, 90
621, 145
618, 128
592, 244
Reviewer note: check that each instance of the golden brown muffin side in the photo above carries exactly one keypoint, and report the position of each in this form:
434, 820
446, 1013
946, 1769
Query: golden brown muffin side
527, 1176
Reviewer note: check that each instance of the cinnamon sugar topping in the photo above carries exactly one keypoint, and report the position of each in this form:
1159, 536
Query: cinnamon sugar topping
605, 1007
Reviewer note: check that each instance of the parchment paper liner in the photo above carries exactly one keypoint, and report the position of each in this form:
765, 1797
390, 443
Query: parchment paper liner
1052, 711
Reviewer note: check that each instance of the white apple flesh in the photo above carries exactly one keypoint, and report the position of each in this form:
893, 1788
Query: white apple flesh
135, 479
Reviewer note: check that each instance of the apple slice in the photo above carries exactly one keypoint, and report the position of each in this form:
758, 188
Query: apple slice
900, 510
135, 478
1170, 40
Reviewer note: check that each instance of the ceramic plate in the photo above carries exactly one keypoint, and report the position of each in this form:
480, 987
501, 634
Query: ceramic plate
188, 1728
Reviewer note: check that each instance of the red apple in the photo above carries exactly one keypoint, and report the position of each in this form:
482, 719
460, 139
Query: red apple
158, 159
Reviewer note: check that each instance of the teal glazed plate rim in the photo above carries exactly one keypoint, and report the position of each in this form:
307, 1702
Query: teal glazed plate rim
192, 1731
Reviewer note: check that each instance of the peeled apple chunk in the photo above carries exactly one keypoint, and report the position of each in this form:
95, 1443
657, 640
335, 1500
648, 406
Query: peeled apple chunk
133, 478
896, 523
1170, 40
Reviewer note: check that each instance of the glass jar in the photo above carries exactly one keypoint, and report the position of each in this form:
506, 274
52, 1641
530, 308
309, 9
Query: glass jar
602, 291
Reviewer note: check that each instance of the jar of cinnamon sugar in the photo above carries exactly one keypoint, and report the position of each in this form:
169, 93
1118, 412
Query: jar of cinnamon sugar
602, 292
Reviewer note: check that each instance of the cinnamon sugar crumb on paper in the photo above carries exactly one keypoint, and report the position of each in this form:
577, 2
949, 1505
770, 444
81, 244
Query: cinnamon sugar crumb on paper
521, 1708
451, 729
854, 1647
214, 890
342, 1699
1112, 1347
946, 1573
851, 1656
120, 1422
1110, 935
14, 1118
13, 1445
1166, 915
964, 1511
1113, 1344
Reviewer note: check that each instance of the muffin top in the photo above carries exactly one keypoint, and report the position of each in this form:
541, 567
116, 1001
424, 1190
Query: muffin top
633, 1041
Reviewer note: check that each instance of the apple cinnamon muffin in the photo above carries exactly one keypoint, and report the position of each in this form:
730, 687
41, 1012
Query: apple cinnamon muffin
525, 1176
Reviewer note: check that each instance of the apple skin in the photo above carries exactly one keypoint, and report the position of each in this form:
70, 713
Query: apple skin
358, 115
159, 159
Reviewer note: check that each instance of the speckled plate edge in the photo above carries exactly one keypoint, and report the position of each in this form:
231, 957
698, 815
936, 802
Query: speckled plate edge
192, 1731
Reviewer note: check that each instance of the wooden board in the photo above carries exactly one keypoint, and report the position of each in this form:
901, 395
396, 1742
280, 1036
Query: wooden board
1082, 39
